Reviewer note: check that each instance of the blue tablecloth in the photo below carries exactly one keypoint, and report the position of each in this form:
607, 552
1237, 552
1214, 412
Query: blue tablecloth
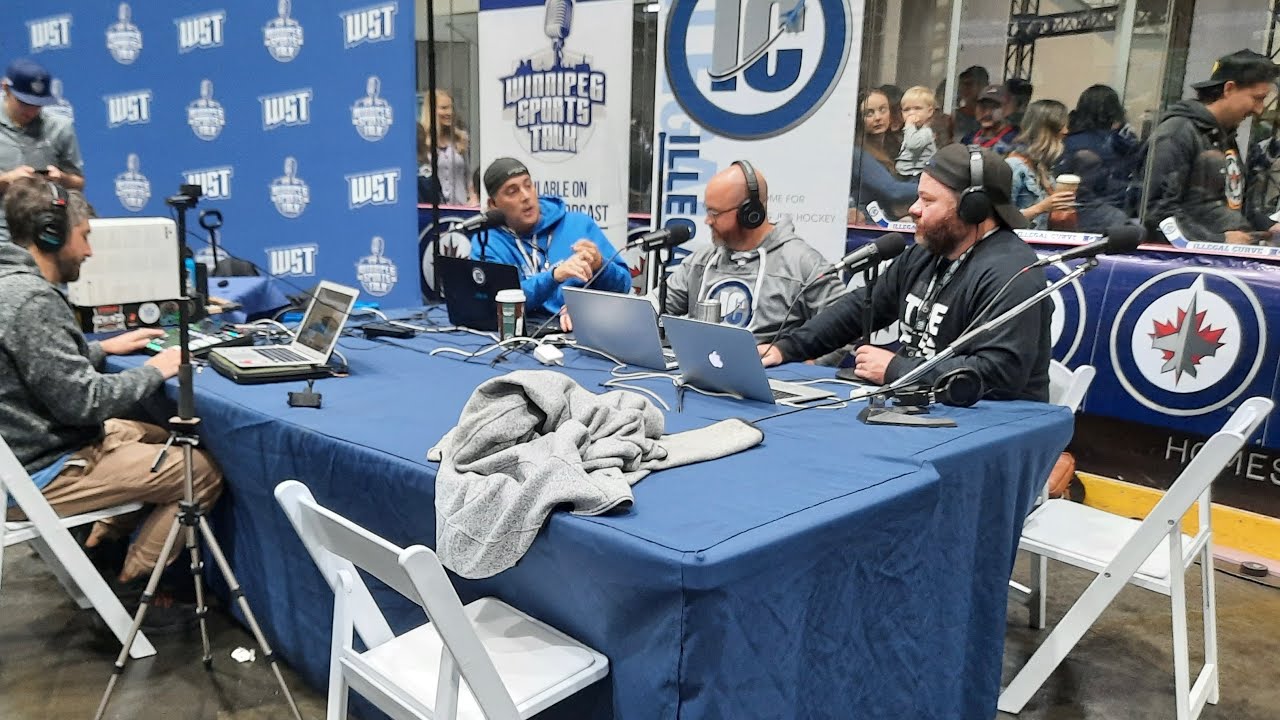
838, 570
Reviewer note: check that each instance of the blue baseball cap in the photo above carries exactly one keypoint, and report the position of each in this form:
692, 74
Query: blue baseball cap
29, 82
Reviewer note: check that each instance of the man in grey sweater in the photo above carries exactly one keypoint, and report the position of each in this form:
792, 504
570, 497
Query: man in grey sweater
756, 272
57, 409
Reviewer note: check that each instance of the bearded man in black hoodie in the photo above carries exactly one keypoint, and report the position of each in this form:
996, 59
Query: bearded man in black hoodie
939, 286
1198, 177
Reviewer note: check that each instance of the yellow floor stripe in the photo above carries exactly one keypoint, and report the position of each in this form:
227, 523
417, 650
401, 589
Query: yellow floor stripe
1233, 528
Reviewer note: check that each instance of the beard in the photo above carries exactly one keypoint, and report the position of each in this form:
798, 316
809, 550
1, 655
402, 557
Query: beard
942, 238
69, 269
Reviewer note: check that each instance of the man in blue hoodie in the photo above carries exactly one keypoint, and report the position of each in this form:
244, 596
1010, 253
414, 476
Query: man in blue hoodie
551, 245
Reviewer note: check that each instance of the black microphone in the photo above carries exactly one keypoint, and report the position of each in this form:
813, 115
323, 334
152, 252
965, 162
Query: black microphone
667, 237
885, 247
1118, 240
482, 221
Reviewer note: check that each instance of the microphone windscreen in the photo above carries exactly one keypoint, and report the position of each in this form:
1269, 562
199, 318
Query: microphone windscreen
679, 233
495, 217
890, 245
1125, 238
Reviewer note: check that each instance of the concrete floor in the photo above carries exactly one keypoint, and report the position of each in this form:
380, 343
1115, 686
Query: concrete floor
54, 663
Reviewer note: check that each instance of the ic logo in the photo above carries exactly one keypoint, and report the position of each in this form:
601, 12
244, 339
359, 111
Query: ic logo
787, 67
373, 188
50, 33
375, 23
293, 261
737, 306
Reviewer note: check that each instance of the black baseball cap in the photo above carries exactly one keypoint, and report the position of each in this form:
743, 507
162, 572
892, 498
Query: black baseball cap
1243, 67
950, 166
500, 171
29, 82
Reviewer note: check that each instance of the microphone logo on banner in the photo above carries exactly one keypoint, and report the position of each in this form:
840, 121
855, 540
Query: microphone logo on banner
214, 182
1189, 341
736, 302
376, 23
287, 109
376, 273
205, 115
282, 35
551, 98
293, 260
60, 107
372, 114
780, 70
130, 108
200, 32
50, 33
124, 39
373, 188
289, 193
132, 187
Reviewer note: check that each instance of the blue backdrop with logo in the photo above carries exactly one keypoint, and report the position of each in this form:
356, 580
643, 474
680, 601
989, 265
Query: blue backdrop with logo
297, 119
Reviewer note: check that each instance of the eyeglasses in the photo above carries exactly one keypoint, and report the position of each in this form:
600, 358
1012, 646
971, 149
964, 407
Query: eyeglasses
713, 214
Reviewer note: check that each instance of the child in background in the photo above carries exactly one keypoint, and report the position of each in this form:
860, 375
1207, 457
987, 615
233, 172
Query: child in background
918, 141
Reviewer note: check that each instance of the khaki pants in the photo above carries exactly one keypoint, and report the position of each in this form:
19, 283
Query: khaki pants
117, 470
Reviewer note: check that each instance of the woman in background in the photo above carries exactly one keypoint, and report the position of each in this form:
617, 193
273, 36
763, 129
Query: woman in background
1034, 155
875, 152
1103, 151
451, 143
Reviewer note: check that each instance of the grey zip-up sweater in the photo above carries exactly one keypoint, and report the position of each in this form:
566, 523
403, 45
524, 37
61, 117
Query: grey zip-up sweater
53, 397
756, 287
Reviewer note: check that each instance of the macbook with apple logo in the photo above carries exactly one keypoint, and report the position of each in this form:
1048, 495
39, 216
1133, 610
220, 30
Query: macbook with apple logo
723, 358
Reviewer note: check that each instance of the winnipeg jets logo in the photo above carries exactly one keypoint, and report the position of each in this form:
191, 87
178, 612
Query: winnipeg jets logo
289, 193
377, 274
282, 35
124, 39
132, 187
1188, 341
371, 114
205, 115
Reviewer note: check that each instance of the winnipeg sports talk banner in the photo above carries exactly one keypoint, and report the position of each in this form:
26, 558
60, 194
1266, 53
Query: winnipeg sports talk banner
737, 83
297, 119
555, 93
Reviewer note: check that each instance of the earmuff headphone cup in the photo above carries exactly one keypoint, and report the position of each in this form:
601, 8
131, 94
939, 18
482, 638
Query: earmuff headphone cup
51, 223
961, 387
752, 212
974, 206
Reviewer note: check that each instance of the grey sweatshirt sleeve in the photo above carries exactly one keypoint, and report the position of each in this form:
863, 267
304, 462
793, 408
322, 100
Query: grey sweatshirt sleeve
678, 287
822, 290
97, 356
59, 374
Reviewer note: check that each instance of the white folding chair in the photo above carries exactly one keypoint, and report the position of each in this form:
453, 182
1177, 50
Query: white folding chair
1067, 388
509, 664
48, 534
1152, 553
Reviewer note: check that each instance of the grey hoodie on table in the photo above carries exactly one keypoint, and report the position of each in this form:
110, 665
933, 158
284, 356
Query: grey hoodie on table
53, 399
755, 288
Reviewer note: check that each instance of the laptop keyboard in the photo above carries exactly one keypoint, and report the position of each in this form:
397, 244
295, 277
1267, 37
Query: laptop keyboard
782, 394
282, 355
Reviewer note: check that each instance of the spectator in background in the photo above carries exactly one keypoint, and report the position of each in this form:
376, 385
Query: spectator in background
875, 151
1102, 150
994, 131
451, 143
972, 82
428, 186
1018, 96
919, 108
1197, 177
1032, 159
894, 93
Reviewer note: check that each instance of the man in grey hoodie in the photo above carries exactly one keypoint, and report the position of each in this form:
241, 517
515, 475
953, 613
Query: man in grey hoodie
58, 410
755, 270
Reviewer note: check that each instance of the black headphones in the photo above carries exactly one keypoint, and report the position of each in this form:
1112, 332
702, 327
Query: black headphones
975, 204
51, 223
961, 387
752, 212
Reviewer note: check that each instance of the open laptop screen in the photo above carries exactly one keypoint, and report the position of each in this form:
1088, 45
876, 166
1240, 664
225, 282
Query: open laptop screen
324, 320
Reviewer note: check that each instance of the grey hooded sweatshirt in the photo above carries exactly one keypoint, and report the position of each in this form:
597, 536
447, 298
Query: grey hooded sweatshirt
755, 288
53, 399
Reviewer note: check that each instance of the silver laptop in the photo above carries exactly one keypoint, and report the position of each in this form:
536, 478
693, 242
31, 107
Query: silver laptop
317, 334
723, 358
624, 326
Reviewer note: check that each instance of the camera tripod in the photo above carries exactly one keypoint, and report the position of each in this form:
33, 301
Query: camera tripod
190, 517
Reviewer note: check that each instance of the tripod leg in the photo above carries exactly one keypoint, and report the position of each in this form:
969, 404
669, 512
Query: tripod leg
145, 603
237, 593
191, 514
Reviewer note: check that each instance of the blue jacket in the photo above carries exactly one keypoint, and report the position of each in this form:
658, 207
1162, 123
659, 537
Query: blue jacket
551, 241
